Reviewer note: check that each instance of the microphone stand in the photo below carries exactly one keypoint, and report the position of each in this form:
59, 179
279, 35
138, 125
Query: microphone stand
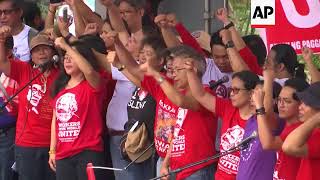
231, 150
20, 90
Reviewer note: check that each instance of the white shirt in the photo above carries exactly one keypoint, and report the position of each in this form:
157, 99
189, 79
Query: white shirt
117, 114
213, 73
21, 45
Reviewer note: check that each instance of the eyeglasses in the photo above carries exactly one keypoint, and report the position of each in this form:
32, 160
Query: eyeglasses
176, 70
235, 90
284, 100
7, 11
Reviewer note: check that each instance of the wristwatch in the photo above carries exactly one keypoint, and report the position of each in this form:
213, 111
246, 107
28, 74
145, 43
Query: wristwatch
261, 111
229, 25
229, 44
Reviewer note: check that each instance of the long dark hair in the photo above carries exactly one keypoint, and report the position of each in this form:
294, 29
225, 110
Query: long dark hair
63, 77
285, 54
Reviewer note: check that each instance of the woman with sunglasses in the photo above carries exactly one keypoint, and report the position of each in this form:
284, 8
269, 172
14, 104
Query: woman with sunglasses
234, 114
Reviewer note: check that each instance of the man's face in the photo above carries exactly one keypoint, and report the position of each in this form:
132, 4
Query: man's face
131, 15
220, 58
8, 15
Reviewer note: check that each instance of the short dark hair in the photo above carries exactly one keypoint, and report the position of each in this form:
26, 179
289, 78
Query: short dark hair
184, 51
257, 46
138, 4
298, 84
250, 79
156, 42
216, 39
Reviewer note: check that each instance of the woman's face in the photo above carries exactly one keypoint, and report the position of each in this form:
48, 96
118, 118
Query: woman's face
70, 66
306, 112
106, 28
287, 106
239, 95
41, 54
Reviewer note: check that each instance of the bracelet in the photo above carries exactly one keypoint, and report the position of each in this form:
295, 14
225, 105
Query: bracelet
261, 111
67, 38
160, 80
51, 151
229, 25
121, 68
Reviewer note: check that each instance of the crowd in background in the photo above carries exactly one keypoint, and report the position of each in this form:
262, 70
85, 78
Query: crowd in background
145, 99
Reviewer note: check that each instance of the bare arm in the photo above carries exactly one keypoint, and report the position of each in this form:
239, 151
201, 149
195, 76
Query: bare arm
236, 60
268, 141
296, 142
166, 163
87, 13
166, 29
307, 56
116, 20
5, 65
185, 101
128, 61
78, 16
222, 15
49, 21
198, 92
92, 76
53, 143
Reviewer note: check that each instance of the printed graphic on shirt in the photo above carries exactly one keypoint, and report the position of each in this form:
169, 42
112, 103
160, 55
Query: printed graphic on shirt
35, 94
222, 91
166, 122
66, 108
276, 172
232, 137
15, 53
179, 144
246, 152
138, 104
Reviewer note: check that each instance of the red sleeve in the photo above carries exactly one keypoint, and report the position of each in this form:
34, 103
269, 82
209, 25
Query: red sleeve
222, 106
188, 39
150, 84
314, 144
251, 60
18, 69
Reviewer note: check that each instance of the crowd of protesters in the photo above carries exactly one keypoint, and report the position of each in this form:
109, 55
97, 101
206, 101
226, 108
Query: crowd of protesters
146, 99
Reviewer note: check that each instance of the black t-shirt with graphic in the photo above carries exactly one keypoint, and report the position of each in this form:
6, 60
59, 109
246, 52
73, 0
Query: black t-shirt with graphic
142, 108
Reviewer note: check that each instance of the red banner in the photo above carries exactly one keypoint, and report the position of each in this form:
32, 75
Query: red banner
297, 24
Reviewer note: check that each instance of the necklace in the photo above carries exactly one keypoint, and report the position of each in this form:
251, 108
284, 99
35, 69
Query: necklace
43, 80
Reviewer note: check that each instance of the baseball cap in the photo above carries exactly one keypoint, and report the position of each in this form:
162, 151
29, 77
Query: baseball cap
311, 95
41, 39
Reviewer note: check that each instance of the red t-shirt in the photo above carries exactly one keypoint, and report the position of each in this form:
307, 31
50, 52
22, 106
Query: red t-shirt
287, 166
186, 126
79, 124
232, 131
251, 60
35, 113
310, 165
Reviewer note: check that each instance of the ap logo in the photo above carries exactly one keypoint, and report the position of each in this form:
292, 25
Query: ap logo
262, 13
